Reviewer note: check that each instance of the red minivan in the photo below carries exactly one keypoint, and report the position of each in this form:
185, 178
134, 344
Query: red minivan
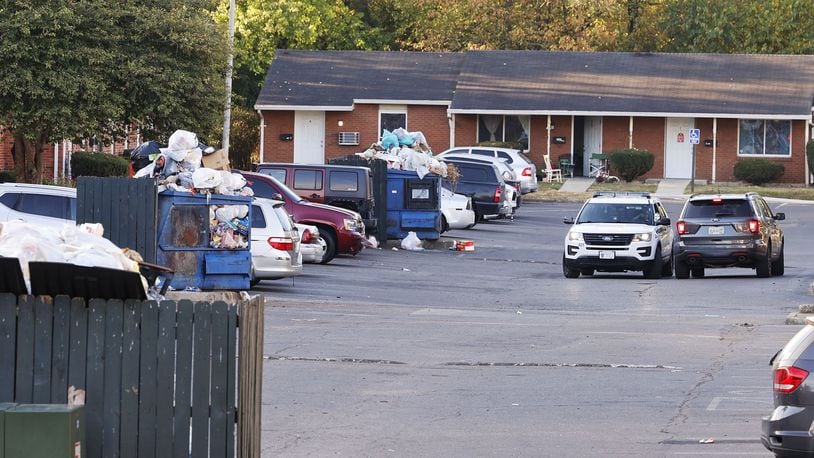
342, 230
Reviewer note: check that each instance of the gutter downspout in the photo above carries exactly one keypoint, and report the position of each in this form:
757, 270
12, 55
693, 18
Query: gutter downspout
451, 122
714, 148
262, 135
630, 134
809, 124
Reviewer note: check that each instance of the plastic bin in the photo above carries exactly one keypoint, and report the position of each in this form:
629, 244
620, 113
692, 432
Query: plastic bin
184, 237
44, 431
413, 205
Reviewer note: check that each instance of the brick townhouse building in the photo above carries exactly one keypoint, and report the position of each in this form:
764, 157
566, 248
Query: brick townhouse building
316, 105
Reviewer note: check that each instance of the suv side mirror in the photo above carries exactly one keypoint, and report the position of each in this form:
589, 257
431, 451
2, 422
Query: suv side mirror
568, 220
277, 196
779, 216
665, 222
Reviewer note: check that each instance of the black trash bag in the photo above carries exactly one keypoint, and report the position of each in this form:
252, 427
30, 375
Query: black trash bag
144, 154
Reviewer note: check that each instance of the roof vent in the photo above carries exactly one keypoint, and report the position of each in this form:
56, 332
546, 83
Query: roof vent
348, 138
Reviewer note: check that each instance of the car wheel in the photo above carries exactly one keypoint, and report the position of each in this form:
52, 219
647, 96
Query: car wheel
653, 269
567, 271
697, 272
444, 225
667, 268
330, 242
587, 272
682, 270
253, 280
764, 266
778, 266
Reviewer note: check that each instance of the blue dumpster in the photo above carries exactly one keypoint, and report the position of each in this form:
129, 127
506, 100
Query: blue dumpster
185, 243
413, 205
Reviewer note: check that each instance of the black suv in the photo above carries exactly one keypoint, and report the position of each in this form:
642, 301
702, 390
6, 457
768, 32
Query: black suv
483, 182
343, 186
728, 230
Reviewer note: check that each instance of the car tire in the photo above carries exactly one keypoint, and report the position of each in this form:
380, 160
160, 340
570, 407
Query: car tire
697, 272
444, 225
330, 242
682, 270
587, 272
667, 268
653, 269
253, 280
567, 271
764, 266
778, 265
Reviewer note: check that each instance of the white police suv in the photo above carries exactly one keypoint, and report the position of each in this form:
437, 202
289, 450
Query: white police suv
619, 232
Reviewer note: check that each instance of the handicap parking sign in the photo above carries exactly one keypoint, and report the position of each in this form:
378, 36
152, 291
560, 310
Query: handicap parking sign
695, 136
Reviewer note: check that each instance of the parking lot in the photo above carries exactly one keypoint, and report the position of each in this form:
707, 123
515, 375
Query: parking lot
493, 352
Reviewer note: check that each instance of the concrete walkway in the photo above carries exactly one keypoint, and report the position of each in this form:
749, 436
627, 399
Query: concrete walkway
672, 187
576, 184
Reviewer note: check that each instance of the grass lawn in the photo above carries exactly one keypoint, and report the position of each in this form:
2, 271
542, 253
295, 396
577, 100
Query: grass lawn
772, 190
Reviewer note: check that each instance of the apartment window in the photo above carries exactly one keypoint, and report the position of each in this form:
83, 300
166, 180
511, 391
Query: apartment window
764, 137
507, 128
391, 117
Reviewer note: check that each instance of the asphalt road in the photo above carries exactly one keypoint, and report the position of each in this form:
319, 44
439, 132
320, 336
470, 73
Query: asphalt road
495, 353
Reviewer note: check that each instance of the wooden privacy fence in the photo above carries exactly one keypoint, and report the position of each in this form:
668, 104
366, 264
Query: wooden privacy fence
160, 379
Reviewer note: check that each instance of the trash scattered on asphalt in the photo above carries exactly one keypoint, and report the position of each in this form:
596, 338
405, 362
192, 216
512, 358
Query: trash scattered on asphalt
405, 269
708, 440
411, 242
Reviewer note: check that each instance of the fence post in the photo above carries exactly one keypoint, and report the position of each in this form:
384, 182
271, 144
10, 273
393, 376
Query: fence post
250, 377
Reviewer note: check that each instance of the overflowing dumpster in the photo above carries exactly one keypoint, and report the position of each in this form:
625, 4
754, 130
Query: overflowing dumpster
413, 205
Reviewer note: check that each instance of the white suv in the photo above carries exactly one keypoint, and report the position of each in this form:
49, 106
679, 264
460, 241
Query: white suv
618, 232
37, 203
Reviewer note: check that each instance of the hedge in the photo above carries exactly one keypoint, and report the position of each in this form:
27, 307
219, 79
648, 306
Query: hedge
758, 171
98, 165
630, 163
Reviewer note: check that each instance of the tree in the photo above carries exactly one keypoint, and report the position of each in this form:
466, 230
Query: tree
75, 69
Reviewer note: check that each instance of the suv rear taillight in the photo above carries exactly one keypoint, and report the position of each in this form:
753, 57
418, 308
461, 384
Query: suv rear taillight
787, 379
281, 243
681, 227
527, 172
498, 193
754, 226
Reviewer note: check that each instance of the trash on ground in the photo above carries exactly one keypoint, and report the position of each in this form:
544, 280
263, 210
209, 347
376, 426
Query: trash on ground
411, 242
708, 440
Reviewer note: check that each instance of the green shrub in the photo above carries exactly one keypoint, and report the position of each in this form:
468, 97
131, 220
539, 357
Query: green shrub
7, 176
630, 163
496, 144
758, 170
98, 165
810, 156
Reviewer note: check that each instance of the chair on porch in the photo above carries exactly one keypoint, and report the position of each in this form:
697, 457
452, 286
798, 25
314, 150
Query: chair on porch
566, 166
551, 174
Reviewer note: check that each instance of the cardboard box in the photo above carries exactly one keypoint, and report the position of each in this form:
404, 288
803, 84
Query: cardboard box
219, 160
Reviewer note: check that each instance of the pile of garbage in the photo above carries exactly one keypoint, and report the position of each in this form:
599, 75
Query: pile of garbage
405, 151
82, 245
186, 165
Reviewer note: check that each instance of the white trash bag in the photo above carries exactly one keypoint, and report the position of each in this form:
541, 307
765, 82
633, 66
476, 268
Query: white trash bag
411, 242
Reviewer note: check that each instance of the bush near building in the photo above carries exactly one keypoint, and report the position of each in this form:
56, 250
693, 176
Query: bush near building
630, 163
758, 171
98, 165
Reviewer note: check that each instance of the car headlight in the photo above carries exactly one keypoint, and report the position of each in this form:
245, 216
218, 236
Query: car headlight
643, 237
575, 236
352, 225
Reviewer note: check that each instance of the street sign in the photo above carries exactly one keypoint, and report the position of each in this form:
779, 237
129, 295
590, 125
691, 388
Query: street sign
695, 136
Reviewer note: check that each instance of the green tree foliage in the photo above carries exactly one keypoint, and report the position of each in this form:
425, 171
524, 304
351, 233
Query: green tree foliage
78, 68
630, 163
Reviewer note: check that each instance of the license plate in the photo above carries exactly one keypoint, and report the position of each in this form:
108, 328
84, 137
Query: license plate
607, 254
716, 230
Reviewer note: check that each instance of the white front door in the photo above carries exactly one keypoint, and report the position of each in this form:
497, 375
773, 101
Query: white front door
309, 137
677, 147
593, 141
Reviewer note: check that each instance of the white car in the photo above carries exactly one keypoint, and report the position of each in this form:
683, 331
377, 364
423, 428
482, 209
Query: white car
522, 165
37, 203
456, 211
275, 243
618, 232
312, 246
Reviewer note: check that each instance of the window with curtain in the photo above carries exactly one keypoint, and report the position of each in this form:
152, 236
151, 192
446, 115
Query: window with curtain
764, 137
500, 128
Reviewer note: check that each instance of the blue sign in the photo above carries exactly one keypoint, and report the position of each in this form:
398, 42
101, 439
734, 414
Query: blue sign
695, 136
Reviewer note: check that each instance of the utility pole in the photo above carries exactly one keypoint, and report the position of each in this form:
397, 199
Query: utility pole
227, 112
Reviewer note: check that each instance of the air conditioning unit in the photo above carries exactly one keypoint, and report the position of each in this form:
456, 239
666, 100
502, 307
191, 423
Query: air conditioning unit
348, 138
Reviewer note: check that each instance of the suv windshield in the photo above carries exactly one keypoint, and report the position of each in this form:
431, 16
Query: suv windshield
601, 212
705, 209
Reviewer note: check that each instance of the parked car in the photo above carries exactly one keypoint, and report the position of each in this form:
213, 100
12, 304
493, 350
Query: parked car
312, 246
275, 242
509, 175
338, 185
729, 230
456, 211
787, 430
35, 203
619, 232
342, 229
484, 183
522, 165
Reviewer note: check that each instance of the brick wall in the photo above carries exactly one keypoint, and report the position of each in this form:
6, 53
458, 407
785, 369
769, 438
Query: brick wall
363, 119
538, 138
466, 130
648, 134
274, 149
432, 122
